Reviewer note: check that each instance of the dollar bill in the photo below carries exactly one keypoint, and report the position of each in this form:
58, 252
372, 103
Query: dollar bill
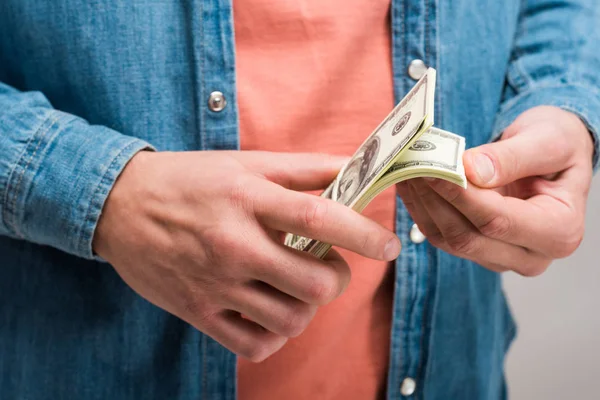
403, 146
436, 154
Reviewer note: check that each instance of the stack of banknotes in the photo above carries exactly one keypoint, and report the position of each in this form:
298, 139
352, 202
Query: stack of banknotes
404, 146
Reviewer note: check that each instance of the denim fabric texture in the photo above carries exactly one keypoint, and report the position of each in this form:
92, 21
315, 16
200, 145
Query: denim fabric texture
84, 85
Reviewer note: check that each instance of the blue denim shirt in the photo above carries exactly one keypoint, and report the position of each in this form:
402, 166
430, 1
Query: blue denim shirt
84, 85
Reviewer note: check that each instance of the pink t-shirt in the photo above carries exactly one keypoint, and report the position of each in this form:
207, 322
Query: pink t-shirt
316, 75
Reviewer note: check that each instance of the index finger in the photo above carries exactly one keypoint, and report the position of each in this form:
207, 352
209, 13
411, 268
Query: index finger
325, 220
539, 223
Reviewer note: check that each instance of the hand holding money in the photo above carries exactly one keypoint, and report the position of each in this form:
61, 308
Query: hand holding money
197, 234
526, 205
404, 146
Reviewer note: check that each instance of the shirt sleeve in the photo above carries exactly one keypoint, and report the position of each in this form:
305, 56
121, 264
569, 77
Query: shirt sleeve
555, 61
56, 171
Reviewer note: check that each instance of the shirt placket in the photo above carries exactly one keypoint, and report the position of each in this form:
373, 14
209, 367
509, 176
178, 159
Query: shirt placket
414, 39
212, 39
215, 75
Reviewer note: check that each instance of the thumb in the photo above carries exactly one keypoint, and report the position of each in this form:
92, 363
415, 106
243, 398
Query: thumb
295, 171
522, 155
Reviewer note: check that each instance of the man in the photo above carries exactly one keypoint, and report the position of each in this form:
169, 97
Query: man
135, 266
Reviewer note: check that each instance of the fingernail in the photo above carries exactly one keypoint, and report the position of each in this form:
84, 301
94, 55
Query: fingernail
392, 250
483, 167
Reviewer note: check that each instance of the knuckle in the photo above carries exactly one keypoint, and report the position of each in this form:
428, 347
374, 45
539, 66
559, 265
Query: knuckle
452, 192
365, 243
240, 190
255, 350
198, 311
574, 243
220, 265
261, 267
313, 215
371, 242
295, 322
569, 237
259, 349
222, 248
461, 241
506, 162
213, 242
569, 244
322, 291
498, 227
533, 269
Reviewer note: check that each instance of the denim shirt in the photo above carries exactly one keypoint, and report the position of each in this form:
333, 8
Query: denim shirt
84, 85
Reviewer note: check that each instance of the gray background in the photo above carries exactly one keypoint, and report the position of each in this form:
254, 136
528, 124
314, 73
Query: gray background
557, 351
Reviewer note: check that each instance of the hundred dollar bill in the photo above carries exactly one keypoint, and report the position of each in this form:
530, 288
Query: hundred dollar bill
403, 146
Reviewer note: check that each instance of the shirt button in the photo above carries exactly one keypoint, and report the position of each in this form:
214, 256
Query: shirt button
216, 101
416, 69
416, 236
408, 387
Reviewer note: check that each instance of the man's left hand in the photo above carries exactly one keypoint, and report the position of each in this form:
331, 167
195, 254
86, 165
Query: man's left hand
525, 204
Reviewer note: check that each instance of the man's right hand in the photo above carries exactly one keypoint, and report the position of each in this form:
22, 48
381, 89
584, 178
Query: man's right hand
199, 234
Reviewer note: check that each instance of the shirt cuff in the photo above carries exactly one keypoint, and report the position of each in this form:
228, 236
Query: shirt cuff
581, 101
61, 180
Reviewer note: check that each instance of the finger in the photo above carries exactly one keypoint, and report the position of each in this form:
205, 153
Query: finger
461, 238
416, 210
402, 190
526, 154
429, 228
325, 220
539, 223
243, 337
426, 225
296, 171
300, 274
272, 309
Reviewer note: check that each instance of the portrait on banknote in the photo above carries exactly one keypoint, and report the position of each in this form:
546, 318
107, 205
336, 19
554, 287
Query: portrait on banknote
354, 176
